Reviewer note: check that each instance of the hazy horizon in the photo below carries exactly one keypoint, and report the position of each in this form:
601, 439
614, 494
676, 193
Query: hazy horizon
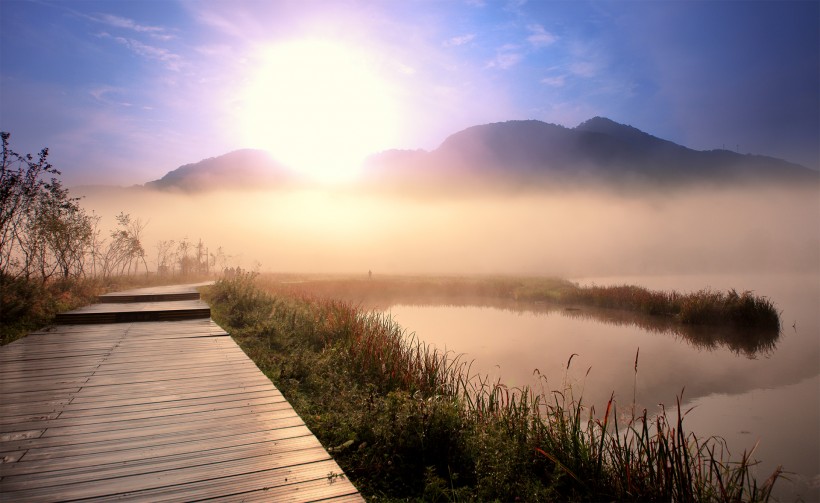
569, 233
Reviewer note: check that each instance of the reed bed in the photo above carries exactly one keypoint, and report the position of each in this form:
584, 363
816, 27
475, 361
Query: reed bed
408, 422
705, 307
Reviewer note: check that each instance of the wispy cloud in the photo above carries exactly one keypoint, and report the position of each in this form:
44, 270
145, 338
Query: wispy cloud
109, 95
459, 40
583, 69
214, 50
505, 61
171, 60
114, 21
122, 22
507, 56
539, 37
515, 6
555, 81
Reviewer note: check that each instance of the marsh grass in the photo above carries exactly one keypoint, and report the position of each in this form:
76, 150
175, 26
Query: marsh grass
705, 307
406, 421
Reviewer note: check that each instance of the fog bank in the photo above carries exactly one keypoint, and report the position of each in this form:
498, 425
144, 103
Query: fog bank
573, 233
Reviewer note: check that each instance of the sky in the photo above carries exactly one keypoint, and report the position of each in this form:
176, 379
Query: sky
122, 92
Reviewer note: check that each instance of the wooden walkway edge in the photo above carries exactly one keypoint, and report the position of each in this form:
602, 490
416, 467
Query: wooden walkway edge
157, 410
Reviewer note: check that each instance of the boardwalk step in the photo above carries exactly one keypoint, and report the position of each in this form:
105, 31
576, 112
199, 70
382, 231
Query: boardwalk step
117, 298
80, 318
136, 311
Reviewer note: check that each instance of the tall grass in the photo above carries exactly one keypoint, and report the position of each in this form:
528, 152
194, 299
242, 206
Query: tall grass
407, 421
704, 307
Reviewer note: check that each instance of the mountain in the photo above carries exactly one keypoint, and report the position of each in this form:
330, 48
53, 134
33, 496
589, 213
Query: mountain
514, 153
239, 169
600, 150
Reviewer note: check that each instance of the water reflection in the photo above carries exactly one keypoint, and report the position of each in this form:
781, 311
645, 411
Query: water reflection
749, 342
741, 385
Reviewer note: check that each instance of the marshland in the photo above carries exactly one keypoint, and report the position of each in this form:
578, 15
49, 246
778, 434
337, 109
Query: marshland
503, 396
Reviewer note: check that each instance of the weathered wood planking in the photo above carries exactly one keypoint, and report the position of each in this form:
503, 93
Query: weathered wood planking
151, 411
154, 294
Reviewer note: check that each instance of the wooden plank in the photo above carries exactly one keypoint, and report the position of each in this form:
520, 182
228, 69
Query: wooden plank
189, 484
288, 479
135, 312
151, 410
116, 298
283, 440
322, 489
180, 413
225, 457
214, 423
160, 445
48, 410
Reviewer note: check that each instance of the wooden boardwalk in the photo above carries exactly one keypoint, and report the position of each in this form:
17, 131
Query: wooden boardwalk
151, 411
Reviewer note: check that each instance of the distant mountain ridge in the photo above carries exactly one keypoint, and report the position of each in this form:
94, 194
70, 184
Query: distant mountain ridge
236, 170
521, 152
598, 149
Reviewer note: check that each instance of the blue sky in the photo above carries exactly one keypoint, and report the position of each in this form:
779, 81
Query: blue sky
123, 91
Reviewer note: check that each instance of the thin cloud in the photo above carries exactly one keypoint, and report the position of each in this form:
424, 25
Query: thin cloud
460, 40
129, 24
107, 95
171, 60
583, 69
214, 50
507, 56
505, 61
556, 81
539, 36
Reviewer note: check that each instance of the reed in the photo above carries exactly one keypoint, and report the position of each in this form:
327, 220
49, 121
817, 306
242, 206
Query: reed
406, 421
704, 307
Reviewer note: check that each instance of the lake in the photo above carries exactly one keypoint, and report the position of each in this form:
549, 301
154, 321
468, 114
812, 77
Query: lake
765, 391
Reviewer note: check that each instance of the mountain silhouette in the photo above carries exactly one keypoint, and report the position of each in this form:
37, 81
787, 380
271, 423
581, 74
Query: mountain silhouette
239, 169
522, 153
598, 150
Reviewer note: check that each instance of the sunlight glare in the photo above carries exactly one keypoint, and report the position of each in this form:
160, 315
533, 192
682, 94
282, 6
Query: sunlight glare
318, 107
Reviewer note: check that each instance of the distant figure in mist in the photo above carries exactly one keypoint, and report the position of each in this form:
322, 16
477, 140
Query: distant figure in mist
369, 274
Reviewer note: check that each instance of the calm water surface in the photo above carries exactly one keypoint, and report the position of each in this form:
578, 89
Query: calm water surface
768, 392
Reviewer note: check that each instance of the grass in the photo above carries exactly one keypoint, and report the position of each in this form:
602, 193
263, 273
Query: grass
704, 307
408, 422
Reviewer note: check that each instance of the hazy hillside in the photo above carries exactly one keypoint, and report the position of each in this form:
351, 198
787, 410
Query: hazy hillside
529, 152
596, 150
235, 170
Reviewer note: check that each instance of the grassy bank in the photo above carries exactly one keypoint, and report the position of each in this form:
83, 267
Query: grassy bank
407, 422
704, 307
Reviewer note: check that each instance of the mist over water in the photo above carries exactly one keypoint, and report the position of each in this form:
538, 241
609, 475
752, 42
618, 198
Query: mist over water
568, 233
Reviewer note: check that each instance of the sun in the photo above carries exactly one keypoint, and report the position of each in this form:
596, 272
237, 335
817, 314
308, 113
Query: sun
318, 107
